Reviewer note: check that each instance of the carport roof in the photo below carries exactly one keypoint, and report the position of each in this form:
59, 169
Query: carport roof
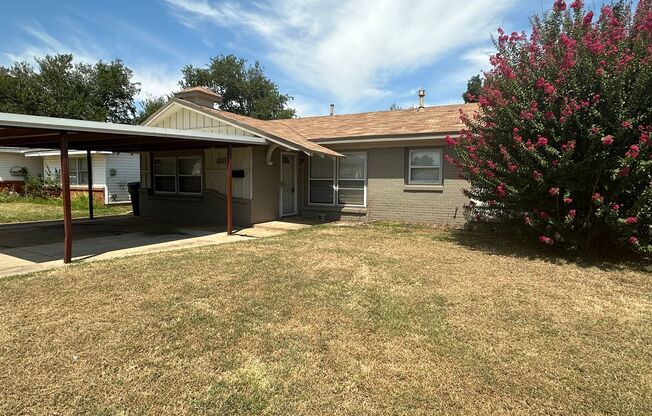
18, 130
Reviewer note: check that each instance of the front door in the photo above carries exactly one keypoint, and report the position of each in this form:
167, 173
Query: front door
288, 185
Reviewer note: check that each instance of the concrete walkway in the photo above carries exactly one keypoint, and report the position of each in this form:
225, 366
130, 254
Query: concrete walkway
31, 247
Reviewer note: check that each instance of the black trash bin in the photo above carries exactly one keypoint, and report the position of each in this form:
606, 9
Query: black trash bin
134, 188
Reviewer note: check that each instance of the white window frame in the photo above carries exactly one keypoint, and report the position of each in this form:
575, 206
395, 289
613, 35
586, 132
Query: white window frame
411, 166
176, 174
79, 161
336, 180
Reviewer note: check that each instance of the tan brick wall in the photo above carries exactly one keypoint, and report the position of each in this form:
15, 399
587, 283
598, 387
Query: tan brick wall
389, 199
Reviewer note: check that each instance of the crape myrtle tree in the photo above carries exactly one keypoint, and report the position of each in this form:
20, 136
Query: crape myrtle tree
561, 141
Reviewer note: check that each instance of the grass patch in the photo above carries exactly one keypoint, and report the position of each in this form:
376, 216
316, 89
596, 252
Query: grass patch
22, 209
332, 320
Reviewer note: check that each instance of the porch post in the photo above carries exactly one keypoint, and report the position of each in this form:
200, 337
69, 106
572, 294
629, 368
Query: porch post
65, 189
90, 184
229, 189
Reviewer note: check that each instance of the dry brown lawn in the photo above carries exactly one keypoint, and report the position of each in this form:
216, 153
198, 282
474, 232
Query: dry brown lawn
333, 320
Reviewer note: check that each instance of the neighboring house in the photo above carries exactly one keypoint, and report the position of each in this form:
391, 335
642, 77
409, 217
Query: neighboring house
393, 166
12, 165
111, 171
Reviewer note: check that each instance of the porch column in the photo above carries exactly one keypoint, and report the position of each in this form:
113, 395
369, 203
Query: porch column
229, 189
65, 189
90, 184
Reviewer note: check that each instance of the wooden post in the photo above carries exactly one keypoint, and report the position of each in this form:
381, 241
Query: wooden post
65, 189
229, 190
89, 163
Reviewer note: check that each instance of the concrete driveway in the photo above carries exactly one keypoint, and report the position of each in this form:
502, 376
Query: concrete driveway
30, 247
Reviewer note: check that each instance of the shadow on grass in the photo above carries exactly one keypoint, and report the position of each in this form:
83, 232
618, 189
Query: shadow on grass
505, 240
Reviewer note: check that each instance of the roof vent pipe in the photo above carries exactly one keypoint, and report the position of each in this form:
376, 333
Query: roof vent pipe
422, 98
332, 110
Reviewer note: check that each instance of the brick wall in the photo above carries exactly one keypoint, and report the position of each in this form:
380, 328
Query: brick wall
389, 198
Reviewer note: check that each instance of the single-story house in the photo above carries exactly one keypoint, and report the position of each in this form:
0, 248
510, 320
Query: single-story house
111, 171
386, 165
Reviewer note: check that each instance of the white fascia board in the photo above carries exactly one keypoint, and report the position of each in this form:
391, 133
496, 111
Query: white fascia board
68, 125
381, 139
42, 153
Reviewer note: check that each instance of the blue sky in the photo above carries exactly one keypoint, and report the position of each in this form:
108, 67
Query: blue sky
362, 56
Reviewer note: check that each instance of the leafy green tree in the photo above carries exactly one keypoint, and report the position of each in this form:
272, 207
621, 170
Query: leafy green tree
244, 88
473, 89
60, 88
562, 142
150, 106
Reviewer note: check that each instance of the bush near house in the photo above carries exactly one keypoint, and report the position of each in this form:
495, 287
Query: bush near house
561, 143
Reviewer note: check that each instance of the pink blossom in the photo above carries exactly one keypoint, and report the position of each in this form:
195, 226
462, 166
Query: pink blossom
645, 138
512, 168
527, 220
545, 240
577, 5
572, 213
544, 216
597, 197
633, 240
450, 141
541, 141
633, 151
588, 18
537, 175
491, 164
624, 171
560, 5
627, 125
568, 200
553, 191
631, 220
615, 207
500, 189
608, 140
599, 72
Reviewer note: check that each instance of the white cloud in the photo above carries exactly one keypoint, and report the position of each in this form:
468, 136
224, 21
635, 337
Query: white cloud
352, 50
154, 79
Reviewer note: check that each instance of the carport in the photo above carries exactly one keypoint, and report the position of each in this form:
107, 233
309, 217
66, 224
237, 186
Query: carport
62, 134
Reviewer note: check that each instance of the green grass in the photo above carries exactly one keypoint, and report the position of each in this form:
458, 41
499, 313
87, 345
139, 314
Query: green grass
22, 209
379, 320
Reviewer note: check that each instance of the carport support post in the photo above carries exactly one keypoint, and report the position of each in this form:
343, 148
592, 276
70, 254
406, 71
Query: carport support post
229, 189
65, 189
90, 184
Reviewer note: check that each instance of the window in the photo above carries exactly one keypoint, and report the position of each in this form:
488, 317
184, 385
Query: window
182, 175
341, 182
424, 166
78, 167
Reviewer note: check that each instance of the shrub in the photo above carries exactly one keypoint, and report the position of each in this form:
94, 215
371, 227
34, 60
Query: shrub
561, 142
9, 195
47, 186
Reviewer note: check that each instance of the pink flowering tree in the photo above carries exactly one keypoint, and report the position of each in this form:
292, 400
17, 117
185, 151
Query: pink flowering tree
561, 141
